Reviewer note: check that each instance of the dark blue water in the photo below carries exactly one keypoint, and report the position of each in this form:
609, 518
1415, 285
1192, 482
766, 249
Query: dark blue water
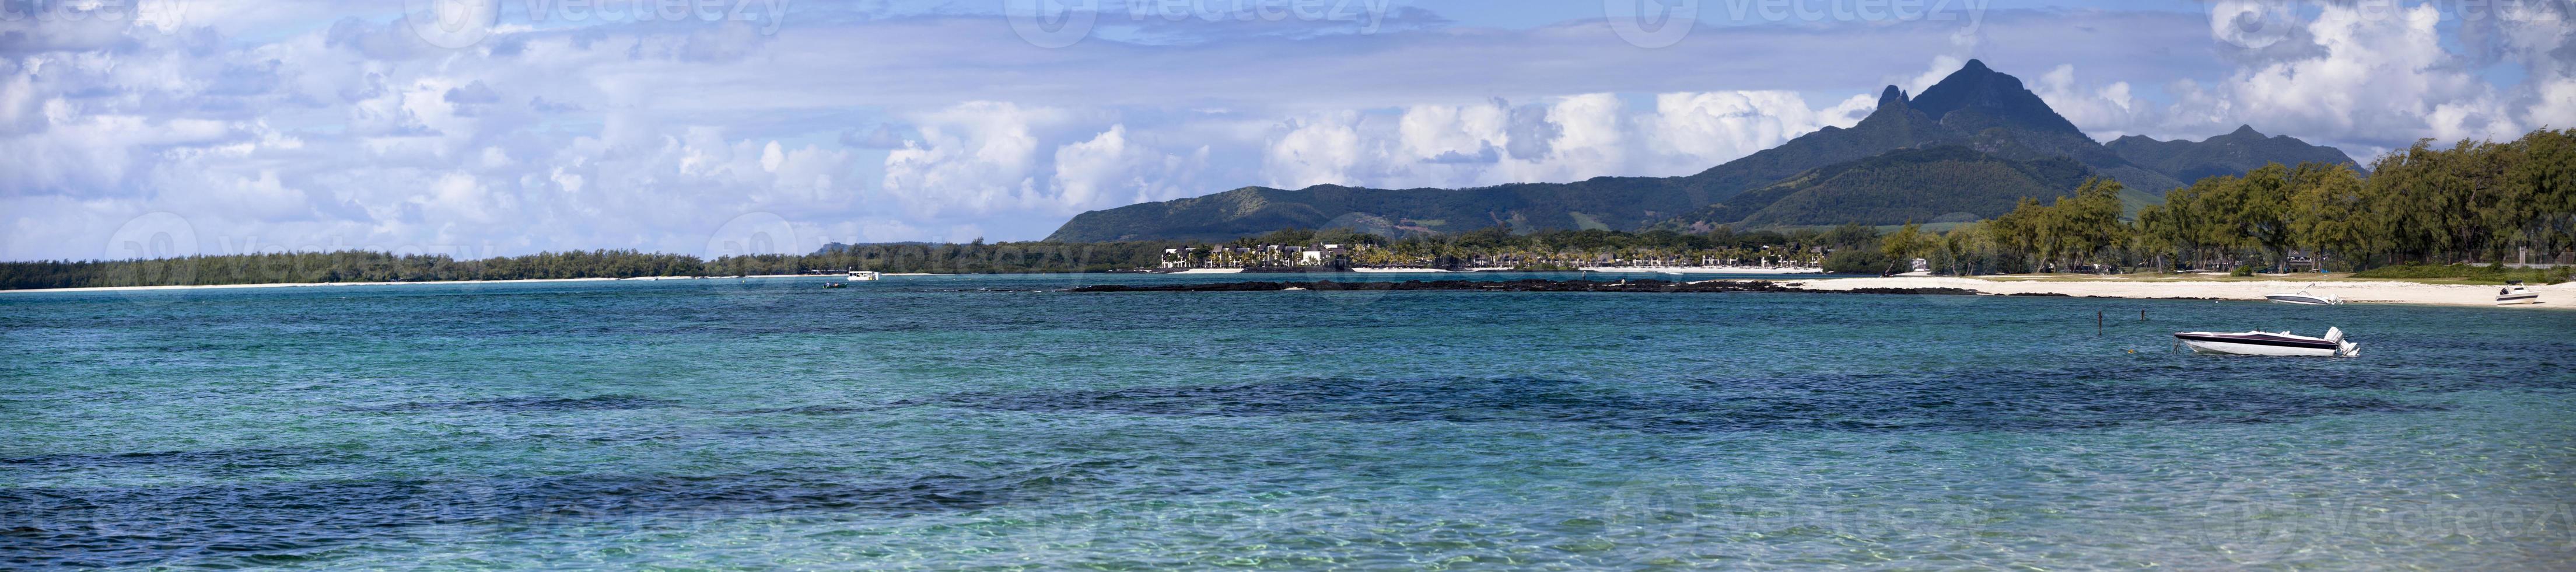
996, 422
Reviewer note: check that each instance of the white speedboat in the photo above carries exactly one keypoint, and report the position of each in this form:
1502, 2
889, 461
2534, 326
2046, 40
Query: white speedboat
2303, 297
865, 276
2516, 293
2270, 344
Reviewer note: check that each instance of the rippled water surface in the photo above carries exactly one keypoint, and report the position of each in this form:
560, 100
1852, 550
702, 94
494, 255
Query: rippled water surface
996, 422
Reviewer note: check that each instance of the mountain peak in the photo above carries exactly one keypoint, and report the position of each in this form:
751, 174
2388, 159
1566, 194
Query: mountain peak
1993, 98
2245, 131
1891, 95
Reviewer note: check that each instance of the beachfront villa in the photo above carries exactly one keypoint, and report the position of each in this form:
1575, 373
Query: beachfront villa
1180, 257
1253, 256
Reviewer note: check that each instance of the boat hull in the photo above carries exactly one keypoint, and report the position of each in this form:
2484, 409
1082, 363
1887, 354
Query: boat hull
2517, 297
2303, 300
2262, 344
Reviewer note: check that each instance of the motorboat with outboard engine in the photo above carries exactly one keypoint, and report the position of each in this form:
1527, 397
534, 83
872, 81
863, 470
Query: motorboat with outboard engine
2516, 293
2270, 343
2305, 298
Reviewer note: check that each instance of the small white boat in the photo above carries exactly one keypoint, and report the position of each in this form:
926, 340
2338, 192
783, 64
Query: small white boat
865, 276
2516, 293
2270, 344
2305, 298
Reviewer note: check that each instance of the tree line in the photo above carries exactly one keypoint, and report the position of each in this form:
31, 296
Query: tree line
2477, 202
370, 266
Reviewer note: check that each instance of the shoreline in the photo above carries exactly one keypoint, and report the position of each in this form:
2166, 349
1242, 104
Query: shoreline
1755, 270
1744, 270
2559, 296
420, 283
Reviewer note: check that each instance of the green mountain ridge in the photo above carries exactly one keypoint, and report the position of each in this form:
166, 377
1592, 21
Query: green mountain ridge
1938, 184
1982, 134
2235, 153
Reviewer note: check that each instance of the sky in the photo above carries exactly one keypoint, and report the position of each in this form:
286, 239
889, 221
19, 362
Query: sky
475, 128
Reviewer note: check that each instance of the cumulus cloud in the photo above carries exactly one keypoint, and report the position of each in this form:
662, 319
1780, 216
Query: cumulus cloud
1566, 139
1712, 127
974, 158
1110, 170
2106, 111
1320, 150
2362, 76
330, 124
2380, 73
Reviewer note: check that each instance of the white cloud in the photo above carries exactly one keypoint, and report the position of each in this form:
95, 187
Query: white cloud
1592, 138
2106, 112
1568, 139
329, 123
973, 158
1109, 171
2557, 106
1322, 150
2364, 77
1714, 127
1469, 133
2379, 75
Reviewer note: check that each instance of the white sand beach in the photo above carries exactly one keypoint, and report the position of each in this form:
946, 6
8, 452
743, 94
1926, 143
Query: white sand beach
2561, 296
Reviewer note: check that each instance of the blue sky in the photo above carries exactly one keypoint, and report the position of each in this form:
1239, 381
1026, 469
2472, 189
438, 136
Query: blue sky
482, 127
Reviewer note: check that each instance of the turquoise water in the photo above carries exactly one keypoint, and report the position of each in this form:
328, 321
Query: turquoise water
993, 422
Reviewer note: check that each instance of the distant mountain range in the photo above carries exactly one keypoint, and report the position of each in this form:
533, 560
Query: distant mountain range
1968, 147
1949, 183
2232, 154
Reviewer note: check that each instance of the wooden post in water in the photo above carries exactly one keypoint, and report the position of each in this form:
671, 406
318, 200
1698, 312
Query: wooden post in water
2097, 322
2142, 315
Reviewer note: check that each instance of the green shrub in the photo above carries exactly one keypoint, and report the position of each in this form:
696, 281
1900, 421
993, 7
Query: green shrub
2242, 271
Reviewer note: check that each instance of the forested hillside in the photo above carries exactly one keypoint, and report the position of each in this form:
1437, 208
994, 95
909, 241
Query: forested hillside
1940, 184
2235, 153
